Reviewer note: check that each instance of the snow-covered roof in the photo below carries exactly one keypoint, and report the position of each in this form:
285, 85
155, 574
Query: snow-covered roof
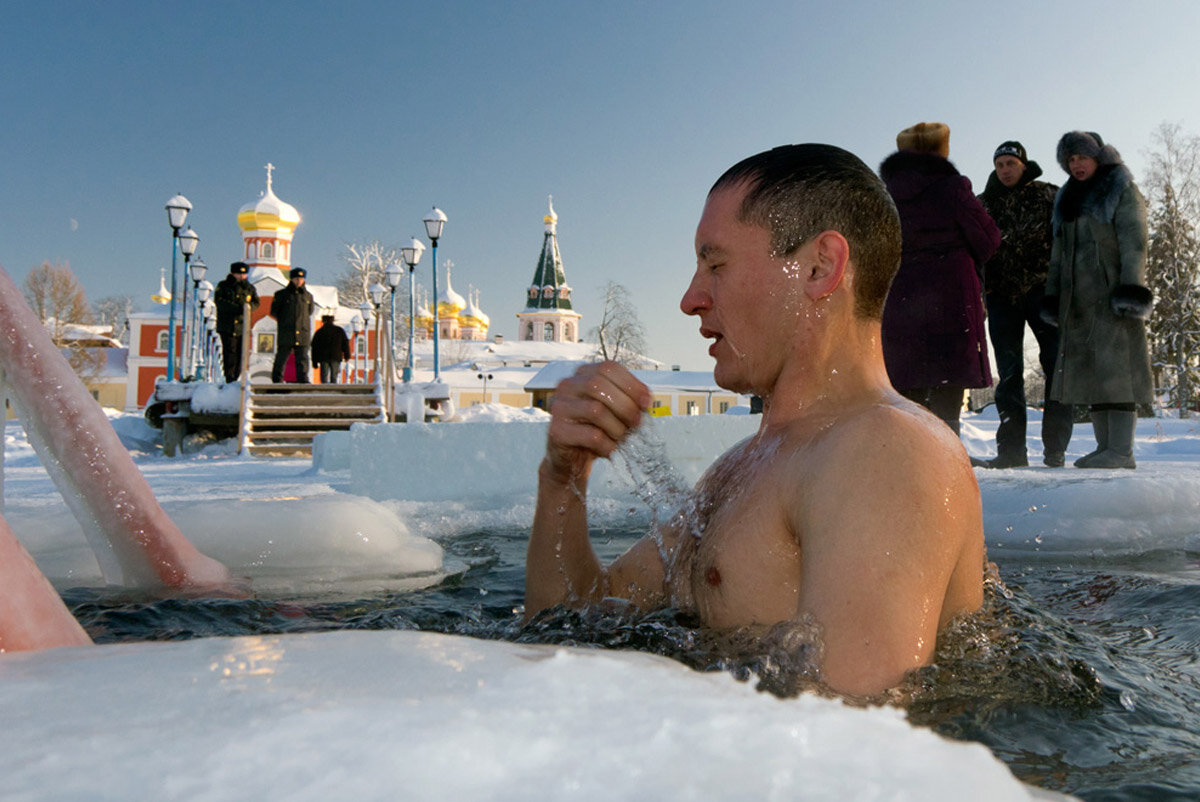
668, 380
99, 336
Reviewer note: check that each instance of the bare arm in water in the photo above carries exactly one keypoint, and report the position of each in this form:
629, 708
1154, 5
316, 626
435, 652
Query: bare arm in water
592, 414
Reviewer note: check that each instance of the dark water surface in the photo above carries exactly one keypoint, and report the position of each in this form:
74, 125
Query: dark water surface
1083, 676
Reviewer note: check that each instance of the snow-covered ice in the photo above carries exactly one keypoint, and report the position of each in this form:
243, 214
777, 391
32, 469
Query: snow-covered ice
384, 715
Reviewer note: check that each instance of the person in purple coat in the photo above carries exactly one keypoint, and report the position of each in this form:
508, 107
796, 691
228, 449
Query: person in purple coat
934, 343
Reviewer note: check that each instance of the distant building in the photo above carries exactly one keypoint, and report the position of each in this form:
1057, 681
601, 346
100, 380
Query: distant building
478, 366
548, 315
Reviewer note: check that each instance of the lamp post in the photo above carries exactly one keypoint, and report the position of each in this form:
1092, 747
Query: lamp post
187, 246
356, 323
203, 291
177, 210
392, 275
367, 310
207, 355
485, 377
191, 334
411, 254
378, 291
434, 221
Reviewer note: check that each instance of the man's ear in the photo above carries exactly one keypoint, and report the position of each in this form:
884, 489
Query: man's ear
831, 254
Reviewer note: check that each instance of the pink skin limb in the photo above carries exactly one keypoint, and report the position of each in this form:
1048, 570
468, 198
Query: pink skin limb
32, 616
89, 465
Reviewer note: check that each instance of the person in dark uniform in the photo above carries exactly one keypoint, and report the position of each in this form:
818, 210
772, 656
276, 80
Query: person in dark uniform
232, 294
330, 346
292, 308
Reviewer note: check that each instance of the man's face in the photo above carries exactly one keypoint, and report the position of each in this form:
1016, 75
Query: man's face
1082, 167
298, 281
1009, 170
749, 302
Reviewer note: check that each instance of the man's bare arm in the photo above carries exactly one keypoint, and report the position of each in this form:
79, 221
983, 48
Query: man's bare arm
885, 567
592, 414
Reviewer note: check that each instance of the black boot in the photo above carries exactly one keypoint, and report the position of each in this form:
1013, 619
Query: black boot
1002, 461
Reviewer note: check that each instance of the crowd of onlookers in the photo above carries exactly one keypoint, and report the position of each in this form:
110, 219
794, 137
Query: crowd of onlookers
1069, 262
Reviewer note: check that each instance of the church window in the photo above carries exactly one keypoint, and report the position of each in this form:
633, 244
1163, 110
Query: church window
529, 331
251, 253
533, 292
268, 250
161, 344
548, 332
693, 408
548, 292
569, 333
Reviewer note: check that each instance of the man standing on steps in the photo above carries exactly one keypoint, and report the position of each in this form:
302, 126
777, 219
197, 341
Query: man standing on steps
292, 308
232, 294
1014, 283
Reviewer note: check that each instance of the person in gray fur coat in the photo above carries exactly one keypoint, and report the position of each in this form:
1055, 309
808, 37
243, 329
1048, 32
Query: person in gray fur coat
1096, 293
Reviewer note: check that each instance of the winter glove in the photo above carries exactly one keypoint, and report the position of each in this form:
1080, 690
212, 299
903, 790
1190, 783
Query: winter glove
1049, 310
1131, 300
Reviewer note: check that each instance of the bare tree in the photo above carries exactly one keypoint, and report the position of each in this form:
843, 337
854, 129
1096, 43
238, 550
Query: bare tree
1173, 264
114, 310
365, 265
57, 298
620, 333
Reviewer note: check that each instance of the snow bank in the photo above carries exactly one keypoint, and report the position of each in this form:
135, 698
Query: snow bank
408, 715
441, 462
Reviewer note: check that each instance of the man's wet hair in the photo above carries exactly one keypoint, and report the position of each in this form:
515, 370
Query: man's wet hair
798, 191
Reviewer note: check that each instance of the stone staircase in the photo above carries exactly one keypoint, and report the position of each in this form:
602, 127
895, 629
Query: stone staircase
282, 419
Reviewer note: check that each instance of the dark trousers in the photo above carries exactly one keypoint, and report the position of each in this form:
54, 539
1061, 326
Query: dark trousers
231, 355
329, 371
1006, 325
944, 401
303, 366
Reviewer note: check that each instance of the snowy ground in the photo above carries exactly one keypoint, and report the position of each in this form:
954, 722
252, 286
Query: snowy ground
384, 715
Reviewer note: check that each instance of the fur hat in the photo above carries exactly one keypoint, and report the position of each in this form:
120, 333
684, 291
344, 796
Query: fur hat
297, 272
239, 268
1011, 148
926, 138
1085, 143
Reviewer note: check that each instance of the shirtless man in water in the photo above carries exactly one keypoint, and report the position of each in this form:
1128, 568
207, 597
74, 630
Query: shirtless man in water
850, 507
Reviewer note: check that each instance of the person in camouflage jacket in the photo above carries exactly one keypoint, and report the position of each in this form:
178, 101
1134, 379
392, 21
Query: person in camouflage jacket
1014, 283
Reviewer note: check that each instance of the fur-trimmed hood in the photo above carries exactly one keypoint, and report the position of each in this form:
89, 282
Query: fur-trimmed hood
1100, 199
907, 173
994, 189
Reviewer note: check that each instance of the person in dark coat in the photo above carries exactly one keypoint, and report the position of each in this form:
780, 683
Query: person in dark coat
1096, 291
1014, 282
231, 295
933, 338
292, 308
330, 346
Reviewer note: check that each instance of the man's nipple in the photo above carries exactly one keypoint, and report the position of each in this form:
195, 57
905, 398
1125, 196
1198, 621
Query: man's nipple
712, 576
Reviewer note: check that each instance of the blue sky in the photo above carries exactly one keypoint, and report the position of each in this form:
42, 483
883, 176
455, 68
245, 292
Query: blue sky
625, 112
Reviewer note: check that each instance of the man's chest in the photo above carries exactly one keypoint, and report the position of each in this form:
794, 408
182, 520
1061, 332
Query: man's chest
745, 567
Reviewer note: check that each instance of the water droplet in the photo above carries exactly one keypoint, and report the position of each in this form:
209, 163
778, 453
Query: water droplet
1128, 700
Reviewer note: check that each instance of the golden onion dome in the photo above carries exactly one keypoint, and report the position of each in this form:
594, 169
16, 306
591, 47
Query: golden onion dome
268, 212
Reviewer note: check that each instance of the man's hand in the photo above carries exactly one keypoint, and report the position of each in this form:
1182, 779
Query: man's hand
592, 413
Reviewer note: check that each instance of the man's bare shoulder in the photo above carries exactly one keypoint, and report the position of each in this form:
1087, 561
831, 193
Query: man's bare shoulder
880, 433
